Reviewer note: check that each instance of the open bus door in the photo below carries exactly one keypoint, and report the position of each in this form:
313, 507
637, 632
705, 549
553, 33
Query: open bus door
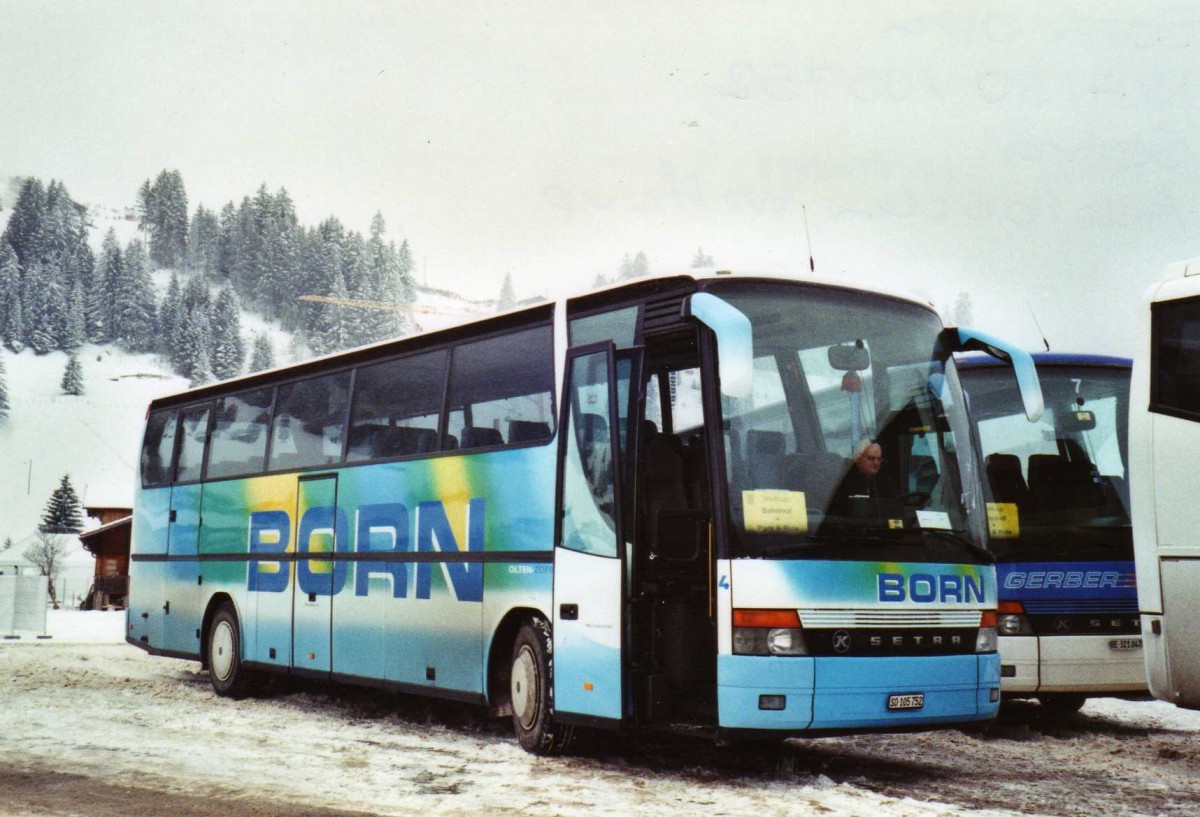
590, 557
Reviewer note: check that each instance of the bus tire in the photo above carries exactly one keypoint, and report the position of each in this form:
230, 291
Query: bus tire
229, 678
532, 690
1062, 703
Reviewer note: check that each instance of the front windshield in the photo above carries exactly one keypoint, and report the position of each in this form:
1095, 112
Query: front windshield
849, 433
1057, 489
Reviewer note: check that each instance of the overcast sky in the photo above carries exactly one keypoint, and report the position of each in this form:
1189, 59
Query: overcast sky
1022, 151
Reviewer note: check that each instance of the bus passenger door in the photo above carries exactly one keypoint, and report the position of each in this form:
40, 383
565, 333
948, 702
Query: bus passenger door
181, 594
321, 530
589, 557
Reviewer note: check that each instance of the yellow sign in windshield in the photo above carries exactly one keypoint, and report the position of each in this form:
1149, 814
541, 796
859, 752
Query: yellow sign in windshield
1003, 520
775, 511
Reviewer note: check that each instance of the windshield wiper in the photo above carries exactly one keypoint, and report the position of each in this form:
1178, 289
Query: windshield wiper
814, 540
954, 536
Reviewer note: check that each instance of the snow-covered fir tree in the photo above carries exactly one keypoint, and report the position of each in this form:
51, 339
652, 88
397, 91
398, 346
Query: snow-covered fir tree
263, 356
135, 316
12, 318
45, 308
26, 224
334, 330
72, 379
963, 314
63, 513
228, 348
635, 267
508, 298
74, 332
641, 265
408, 283
191, 357
164, 218
106, 291
170, 316
4, 405
200, 372
203, 250
701, 259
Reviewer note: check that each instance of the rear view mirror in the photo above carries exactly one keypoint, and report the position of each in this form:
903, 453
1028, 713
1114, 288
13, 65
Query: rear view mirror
849, 358
1080, 420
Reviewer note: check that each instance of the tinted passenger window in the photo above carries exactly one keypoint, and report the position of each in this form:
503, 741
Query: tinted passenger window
158, 447
310, 417
239, 437
617, 325
1176, 368
193, 429
396, 407
504, 389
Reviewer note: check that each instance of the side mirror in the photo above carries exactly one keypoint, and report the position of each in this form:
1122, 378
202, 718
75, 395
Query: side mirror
971, 340
735, 344
849, 358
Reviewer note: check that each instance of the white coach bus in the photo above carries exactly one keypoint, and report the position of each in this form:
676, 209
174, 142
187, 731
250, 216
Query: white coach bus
1164, 439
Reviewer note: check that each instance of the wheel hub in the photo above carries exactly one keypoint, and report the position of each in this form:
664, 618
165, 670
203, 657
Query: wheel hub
525, 687
220, 654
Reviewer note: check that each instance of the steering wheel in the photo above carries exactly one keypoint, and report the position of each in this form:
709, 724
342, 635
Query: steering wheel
915, 499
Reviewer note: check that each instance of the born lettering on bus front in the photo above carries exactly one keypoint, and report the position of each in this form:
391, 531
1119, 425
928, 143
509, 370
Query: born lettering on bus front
378, 529
924, 588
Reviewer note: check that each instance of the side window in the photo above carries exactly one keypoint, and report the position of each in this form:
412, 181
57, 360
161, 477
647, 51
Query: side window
396, 407
193, 430
1175, 384
588, 511
309, 420
158, 447
239, 437
504, 389
617, 325
687, 404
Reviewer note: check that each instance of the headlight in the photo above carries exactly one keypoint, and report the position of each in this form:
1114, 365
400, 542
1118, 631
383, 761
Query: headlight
987, 640
1012, 619
767, 632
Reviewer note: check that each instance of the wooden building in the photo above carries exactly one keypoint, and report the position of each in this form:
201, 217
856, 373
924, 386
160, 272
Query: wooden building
109, 543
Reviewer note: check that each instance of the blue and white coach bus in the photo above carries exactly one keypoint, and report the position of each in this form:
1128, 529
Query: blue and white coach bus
1164, 442
653, 483
1058, 500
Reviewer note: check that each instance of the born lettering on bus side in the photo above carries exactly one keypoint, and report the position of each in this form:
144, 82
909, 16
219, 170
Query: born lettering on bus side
381, 528
924, 588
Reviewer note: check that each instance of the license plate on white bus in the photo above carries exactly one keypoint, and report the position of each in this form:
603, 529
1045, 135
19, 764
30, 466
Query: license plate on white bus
1125, 644
914, 700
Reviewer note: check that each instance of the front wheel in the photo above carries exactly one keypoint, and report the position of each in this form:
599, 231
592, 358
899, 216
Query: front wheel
533, 692
1062, 703
229, 678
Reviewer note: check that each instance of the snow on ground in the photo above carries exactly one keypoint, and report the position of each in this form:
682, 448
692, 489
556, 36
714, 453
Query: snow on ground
81, 627
80, 706
111, 710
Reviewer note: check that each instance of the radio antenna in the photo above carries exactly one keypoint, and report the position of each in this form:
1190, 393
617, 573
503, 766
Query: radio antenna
1038, 325
812, 266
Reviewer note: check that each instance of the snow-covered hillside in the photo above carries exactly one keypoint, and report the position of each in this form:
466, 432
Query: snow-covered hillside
94, 438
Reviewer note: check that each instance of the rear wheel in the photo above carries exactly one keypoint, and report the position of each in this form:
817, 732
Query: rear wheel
229, 678
532, 692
